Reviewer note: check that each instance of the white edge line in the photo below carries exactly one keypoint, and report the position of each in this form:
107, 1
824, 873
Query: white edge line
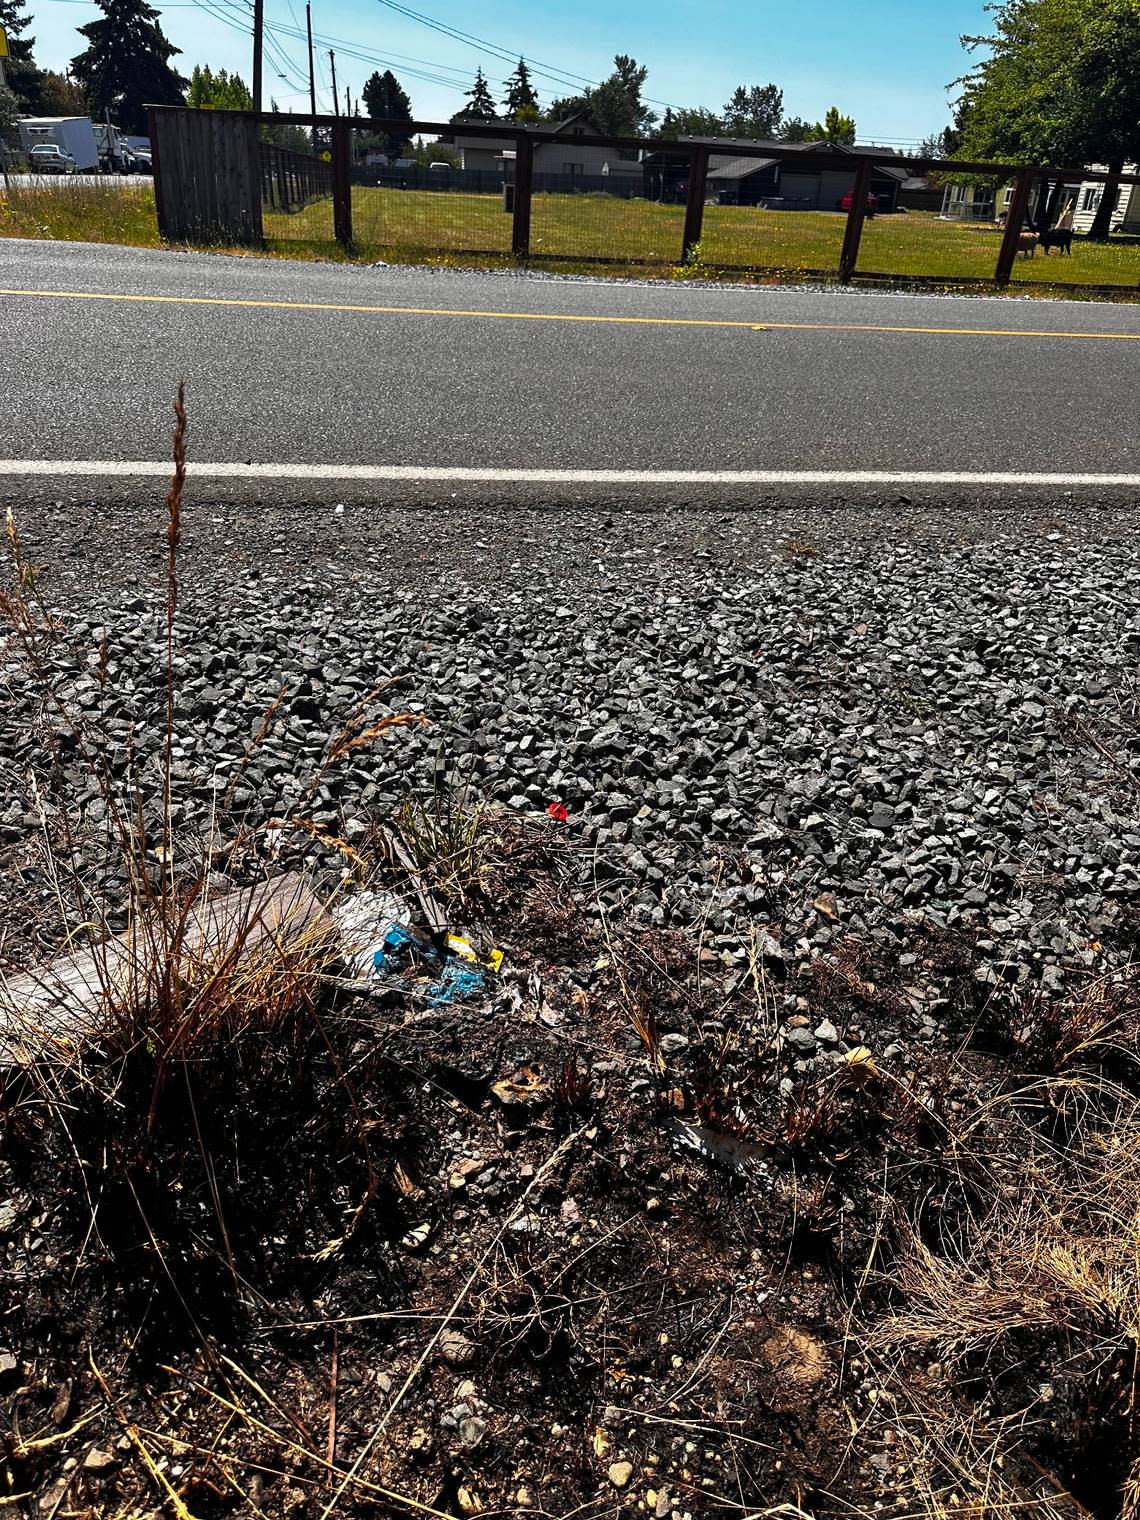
462, 473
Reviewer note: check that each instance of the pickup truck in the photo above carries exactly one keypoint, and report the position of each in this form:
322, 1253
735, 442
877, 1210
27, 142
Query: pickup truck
50, 158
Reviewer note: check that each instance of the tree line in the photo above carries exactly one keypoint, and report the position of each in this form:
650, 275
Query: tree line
617, 108
127, 64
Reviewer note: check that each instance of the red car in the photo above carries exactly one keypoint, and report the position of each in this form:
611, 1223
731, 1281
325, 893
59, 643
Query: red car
845, 202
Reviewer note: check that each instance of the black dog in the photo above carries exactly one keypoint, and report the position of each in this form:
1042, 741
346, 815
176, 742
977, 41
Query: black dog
1060, 238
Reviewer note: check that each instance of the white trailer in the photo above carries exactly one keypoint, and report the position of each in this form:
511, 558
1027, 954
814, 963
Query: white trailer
74, 134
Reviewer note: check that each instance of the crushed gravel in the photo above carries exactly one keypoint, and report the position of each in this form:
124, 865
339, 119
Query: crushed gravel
895, 713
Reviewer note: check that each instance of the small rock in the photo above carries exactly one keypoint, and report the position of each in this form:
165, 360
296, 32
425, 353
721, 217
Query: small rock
472, 1430
620, 1473
802, 1041
99, 1461
456, 1349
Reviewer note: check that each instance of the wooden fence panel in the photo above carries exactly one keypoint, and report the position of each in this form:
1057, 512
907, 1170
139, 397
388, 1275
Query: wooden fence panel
208, 169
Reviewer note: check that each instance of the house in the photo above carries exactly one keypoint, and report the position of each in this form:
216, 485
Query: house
1087, 198
990, 204
784, 183
917, 193
742, 181
969, 203
579, 165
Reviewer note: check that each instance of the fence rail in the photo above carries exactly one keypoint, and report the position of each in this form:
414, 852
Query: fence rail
719, 203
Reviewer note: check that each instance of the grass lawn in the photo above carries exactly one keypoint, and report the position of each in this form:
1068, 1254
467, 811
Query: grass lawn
443, 227
601, 226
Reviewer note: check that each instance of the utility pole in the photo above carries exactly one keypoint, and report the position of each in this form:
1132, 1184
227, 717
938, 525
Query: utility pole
347, 101
3, 147
258, 45
332, 66
312, 81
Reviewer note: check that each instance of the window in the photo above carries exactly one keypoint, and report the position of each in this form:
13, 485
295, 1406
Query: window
1090, 199
1007, 197
573, 169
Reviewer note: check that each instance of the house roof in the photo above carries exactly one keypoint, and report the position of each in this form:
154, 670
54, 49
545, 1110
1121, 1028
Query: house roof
818, 146
726, 144
740, 168
470, 127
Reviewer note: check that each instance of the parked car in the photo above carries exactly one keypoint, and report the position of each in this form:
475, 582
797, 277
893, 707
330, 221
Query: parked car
845, 202
50, 158
439, 167
144, 164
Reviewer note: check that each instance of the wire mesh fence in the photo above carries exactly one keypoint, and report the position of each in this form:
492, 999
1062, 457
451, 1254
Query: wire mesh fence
422, 212
766, 237
607, 217
927, 245
296, 195
1104, 265
521, 192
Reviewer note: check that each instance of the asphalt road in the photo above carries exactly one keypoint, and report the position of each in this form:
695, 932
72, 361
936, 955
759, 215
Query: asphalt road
503, 371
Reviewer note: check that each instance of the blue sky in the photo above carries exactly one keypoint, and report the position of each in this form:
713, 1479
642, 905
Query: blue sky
885, 62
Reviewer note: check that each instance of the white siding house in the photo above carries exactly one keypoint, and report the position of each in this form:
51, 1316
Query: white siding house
982, 203
565, 157
1126, 215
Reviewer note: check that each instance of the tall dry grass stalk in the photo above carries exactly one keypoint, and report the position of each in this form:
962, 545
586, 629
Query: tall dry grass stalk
177, 983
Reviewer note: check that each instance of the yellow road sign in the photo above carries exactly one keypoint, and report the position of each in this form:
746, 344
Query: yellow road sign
3, 43
327, 156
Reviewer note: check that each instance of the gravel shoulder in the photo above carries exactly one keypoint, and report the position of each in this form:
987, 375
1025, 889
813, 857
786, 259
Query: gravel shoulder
925, 710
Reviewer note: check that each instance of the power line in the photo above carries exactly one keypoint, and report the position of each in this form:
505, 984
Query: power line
392, 61
294, 73
349, 49
561, 77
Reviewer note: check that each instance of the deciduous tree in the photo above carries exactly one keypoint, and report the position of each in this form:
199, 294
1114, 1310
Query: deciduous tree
1059, 83
218, 92
61, 96
835, 128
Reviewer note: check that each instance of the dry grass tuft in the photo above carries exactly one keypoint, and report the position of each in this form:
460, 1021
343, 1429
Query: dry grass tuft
189, 974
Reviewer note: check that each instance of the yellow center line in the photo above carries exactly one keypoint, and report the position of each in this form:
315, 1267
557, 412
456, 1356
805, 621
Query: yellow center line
549, 316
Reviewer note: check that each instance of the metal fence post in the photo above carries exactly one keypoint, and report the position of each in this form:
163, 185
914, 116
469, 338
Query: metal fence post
341, 183
695, 203
524, 181
1014, 224
853, 232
